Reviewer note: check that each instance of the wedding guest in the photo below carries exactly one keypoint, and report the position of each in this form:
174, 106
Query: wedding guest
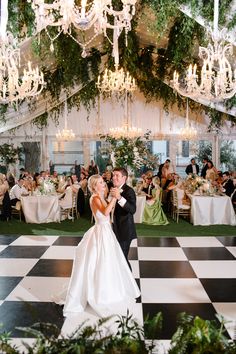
80, 197
166, 170
65, 202
205, 167
153, 213
171, 182
17, 191
147, 186
51, 167
227, 184
83, 183
211, 172
4, 198
192, 168
11, 180
77, 169
108, 179
181, 194
92, 168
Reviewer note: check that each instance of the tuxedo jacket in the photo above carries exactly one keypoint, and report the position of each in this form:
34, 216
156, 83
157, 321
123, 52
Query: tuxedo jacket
189, 169
203, 171
228, 186
123, 217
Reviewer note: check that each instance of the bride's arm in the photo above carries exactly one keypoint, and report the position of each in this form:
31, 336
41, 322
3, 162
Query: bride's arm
96, 204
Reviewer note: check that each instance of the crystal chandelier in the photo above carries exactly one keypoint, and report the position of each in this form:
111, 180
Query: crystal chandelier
217, 79
14, 84
66, 134
188, 132
116, 81
98, 15
126, 130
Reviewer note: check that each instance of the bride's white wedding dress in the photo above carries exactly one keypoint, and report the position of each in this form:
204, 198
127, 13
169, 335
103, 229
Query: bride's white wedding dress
100, 276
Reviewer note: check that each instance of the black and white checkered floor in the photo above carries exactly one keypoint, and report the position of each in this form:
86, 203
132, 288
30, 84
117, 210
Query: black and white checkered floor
192, 274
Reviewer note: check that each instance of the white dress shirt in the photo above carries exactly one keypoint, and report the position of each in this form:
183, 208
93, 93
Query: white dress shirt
17, 191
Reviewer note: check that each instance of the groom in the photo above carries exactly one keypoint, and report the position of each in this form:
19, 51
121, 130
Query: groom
123, 220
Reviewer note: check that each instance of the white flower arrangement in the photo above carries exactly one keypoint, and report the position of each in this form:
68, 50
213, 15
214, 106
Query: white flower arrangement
131, 153
47, 187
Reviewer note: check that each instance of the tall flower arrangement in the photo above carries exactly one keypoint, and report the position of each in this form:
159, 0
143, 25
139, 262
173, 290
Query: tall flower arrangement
131, 153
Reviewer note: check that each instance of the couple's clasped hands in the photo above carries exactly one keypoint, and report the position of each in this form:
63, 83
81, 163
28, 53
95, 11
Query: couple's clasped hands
115, 193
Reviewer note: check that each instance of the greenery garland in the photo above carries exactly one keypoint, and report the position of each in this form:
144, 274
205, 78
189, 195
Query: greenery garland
150, 66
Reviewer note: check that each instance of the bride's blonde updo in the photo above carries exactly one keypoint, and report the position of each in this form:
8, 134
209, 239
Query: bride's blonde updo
92, 182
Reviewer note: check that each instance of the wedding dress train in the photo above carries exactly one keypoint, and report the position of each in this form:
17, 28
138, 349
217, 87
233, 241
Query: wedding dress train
100, 276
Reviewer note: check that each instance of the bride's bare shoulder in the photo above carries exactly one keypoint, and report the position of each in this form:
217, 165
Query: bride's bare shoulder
95, 200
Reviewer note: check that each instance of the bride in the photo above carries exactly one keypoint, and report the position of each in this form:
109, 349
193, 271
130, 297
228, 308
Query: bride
100, 276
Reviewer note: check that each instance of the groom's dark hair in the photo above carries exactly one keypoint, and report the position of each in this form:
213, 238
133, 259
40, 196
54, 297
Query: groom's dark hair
122, 170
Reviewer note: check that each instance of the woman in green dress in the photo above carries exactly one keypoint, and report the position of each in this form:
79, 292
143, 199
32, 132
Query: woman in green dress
153, 213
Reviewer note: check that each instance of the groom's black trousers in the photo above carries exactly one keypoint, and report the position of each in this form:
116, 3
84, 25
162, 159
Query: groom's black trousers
125, 245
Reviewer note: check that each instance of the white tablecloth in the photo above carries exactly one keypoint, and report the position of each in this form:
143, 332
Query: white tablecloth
140, 204
41, 209
212, 210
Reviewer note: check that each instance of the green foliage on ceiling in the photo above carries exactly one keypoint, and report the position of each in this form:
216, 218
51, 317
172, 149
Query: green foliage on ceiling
151, 66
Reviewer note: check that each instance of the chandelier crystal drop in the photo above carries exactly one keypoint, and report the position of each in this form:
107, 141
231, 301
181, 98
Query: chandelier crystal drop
98, 15
116, 81
217, 79
15, 84
65, 134
188, 132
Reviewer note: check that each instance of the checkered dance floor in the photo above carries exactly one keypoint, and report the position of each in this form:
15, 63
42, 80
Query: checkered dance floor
192, 274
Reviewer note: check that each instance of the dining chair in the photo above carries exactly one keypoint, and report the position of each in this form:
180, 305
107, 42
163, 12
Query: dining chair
179, 209
17, 209
71, 212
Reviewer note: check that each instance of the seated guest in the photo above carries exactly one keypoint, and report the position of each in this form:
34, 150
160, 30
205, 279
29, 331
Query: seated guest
4, 198
211, 172
183, 199
17, 191
219, 179
153, 213
192, 167
227, 185
147, 187
66, 201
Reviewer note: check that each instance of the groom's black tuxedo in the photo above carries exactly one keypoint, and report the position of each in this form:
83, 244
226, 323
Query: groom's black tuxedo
123, 220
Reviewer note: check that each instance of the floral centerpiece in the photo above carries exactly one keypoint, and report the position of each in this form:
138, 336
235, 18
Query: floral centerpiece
131, 153
195, 183
47, 187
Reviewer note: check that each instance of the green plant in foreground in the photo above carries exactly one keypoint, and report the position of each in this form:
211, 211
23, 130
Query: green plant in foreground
194, 335
197, 336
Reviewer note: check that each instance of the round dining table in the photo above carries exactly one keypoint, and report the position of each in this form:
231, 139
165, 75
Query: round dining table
39, 209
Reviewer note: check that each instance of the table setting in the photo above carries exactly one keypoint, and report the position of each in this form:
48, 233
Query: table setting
209, 206
42, 206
